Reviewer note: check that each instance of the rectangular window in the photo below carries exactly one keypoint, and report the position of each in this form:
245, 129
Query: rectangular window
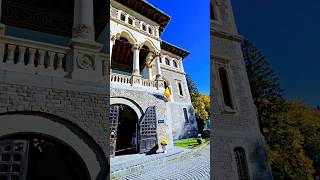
130, 21
150, 31
180, 89
143, 27
185, 112
225, 87
123, 17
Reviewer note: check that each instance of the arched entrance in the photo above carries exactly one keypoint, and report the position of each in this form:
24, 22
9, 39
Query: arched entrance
128, 121
63, 135
37, 157
127, 131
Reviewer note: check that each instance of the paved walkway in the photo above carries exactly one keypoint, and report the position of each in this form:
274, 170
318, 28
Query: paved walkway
180, 164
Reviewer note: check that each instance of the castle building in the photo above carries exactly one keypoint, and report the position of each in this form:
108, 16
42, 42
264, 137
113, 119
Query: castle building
143, 68
53, 90
237, 147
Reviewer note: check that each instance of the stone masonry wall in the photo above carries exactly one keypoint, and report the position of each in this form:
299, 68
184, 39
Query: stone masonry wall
87, 110
239, 127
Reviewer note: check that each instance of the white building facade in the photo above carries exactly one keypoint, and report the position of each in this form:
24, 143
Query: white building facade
142, 67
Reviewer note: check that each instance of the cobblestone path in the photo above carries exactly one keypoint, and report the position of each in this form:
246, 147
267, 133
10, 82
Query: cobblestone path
192, 167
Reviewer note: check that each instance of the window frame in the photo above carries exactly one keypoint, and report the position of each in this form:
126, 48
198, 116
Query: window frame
130, 19
144, 27
242, 166
175, 64
185, 114
167, 61
181, 92
121, 16
219, 62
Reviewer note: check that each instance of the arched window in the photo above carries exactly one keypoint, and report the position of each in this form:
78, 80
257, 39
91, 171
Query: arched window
167, 62
225, 87
241, 162
175, 64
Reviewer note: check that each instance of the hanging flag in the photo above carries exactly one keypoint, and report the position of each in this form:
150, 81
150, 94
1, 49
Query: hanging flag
167, 94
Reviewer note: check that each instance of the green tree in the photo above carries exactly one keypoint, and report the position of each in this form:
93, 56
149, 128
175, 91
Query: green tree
280, 122
200, 103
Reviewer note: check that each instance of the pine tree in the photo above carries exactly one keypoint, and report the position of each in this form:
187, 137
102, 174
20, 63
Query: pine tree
264, 83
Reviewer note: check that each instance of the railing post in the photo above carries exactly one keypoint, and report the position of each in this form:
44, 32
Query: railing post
42, 53
22, 52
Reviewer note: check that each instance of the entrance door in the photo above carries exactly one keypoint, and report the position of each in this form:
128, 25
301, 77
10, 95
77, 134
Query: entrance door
148, 130
123, 128
38, 157
114, 115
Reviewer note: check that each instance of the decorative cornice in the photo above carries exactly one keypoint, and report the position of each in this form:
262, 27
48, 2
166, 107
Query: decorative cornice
226, 35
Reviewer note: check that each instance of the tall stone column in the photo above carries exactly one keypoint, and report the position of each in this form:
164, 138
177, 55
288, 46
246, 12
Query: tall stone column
136, 64
87, 64
159, 75
149, 67
112, 42
159, 80
83, 24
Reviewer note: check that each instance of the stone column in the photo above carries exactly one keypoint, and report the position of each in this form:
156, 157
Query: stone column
149, 67
158, 77
83, 26
136, 52
112, 42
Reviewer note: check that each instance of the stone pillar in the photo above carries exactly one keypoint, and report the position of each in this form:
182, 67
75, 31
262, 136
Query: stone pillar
84, 57
136, 52
83, 26
112, 42
158, 77
149, 67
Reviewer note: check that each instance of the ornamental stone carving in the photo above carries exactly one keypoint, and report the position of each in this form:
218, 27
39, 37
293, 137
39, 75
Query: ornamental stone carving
81, 29
136, 46
85, 62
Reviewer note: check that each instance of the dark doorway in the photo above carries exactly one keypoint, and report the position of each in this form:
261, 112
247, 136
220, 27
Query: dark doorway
127, 139
39, 157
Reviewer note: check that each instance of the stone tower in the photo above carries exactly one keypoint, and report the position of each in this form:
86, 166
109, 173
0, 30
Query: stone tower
238, 146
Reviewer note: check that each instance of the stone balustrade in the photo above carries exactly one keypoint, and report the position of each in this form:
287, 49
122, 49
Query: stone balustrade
33, 57
120, 78
133, 81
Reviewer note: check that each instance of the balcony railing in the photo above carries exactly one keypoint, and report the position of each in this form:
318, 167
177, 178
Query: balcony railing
33, 57
131, 80
38, 58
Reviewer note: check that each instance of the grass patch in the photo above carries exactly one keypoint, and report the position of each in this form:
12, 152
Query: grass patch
190, 143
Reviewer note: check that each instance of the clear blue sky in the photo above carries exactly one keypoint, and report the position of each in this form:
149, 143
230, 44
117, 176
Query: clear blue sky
189, 29
287, 31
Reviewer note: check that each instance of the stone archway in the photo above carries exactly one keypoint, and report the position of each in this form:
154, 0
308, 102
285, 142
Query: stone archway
124, 119
127, 131
66, 133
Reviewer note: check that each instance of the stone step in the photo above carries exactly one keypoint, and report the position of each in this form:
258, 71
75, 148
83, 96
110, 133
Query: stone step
137, 163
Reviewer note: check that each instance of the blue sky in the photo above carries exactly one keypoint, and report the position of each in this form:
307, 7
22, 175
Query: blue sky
189, 29
287, 32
